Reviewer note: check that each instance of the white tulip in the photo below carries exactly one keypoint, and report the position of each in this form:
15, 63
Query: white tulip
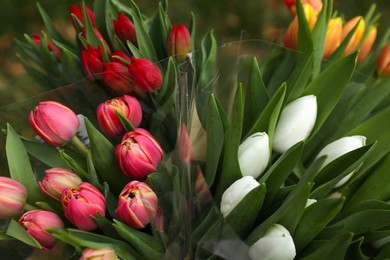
295, 123
236, 192
276, 244
340, 147
254, 154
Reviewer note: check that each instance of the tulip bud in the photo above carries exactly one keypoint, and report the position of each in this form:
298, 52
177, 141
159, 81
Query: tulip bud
356, 38
116, 77
340, 147
57, 180
124, 28
254, 154
137, 204
236, 193
121, 54
92, 62
101, 253
54, 122
37, 221
383, 63
179, 43
367, 44
276, 243
138, 154
13, 196
52, 47
315, 4
291, 35
295, 123
145, 74
333, 36
82, 203
108, 119
75, 10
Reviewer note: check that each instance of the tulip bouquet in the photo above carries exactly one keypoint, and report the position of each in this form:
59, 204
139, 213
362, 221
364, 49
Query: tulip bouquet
174, 155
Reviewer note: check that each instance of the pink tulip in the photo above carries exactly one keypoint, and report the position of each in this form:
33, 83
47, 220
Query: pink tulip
92, 62
13, 196
77, 11
108, 119
179, 42
137, 204
138, 154
124, 28
145, 75
98, 254
57, 180
117, 78
82, 203
36, 221
52, 47
54, 123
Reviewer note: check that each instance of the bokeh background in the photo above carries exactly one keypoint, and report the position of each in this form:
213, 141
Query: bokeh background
230, 19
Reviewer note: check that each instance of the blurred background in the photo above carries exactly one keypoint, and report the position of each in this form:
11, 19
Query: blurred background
230, 19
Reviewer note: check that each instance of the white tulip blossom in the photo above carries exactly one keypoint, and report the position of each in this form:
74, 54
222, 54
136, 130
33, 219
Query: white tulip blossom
254, 154
340, 147
295, 123
236, 192
276, 244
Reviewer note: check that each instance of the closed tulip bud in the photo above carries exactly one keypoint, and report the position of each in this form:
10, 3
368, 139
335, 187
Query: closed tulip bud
52, 47
137, 204
37, 221
109, 121
75, 10
179, 42
138, 154
276, 243
236, 193
145, 74
98, 254
383, 63
57, 180
291, 35
92, 62
54, 123
367, 44
315, 4
340, 147
80, 203
254, 154
295, 123
333, 36
117, 78
357, 36
124, 28
13, 196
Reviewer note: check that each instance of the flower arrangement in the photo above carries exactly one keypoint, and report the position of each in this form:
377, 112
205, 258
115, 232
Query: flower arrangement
282, 158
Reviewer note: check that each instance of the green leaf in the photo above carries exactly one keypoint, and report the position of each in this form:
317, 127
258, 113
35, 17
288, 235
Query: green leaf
103, 20
215, 140
134, 50
314, 219
159, 31
71, 65
142, 242
103, 156
384, 252
90, 34
305, 41
74, 165
20, 167
17, 231
170, 83
281, 72
44, 152
244, 215
212, 217
300, 76
319, 36
126, 123
329, 86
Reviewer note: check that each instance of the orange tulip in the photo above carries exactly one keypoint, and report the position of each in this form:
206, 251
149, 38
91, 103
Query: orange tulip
356, 37
333, 36
367, 44
291, 5
383, 63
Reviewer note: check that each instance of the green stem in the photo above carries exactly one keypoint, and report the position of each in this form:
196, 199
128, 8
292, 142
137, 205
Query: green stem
76, 142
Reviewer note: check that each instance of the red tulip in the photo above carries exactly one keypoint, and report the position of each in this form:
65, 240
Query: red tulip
116, 77
54, 123
52, 47
291, 5
36, 221
124, 28
92, 62
138, 154
108, 119
13, 196
57, 180
145, 74
179, 43
77, 11
121, 54
82, 203
383, 63
137, 204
